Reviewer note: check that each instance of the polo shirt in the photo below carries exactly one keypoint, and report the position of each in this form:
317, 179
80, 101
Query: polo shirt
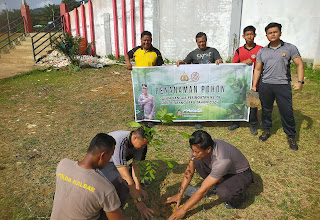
243, 53
124, 149
276, 63
143, 58
224, 159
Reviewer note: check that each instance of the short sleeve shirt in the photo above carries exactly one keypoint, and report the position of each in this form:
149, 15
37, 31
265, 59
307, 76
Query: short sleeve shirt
143, 58
243, 53
124, 149
210, 55
276, 63
81, 193
224, 159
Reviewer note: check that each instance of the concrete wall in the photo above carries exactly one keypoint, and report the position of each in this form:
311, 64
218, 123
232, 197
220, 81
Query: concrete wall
300, 20
181, 20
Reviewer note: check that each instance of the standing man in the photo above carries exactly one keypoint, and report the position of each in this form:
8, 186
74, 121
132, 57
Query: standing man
81, 192
273, 66
247, 54
130, 145
144, 55
148, 103
203, 54
221, 165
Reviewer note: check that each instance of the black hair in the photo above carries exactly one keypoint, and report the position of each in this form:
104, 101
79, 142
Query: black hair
272, 25
203, 138
142, 133
249, 28
101, 143
148, 33
200, 34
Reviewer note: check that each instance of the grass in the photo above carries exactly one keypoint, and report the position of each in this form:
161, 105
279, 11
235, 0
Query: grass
48, 116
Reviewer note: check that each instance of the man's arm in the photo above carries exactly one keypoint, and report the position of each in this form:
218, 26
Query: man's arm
195, 198
180, 62
218, 61
116, 215
188, 174
128, 63
300, 70
256, 75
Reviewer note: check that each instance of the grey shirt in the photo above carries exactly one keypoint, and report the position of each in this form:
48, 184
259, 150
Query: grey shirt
149, 105
124, 148
210, 55
276, 63
224, 159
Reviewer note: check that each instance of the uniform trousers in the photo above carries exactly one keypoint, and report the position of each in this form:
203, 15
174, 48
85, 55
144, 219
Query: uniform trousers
282, 93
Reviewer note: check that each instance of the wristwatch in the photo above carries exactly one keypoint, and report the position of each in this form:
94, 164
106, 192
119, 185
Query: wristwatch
302, 82
137, 200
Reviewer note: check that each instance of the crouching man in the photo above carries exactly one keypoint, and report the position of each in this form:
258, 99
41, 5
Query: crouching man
81, 192
222, 166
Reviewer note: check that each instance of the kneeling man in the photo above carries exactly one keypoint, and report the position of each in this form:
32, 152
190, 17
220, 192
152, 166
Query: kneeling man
221, 165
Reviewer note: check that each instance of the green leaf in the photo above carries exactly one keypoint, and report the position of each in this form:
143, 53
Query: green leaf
133, 124
170, 165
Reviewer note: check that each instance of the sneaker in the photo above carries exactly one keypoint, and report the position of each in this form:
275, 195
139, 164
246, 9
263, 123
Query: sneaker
265, 135
234, 126
198, 126
211, 192
253, 130
191, 189
229, 205
292, 143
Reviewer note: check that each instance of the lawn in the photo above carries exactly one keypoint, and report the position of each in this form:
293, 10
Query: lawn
50, 115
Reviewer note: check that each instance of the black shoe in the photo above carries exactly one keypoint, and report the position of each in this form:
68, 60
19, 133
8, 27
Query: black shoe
253, 130
265, 135
234, 126
293, 143
198, 126
211, 192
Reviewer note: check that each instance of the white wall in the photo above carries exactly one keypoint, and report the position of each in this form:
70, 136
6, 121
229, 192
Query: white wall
300, 20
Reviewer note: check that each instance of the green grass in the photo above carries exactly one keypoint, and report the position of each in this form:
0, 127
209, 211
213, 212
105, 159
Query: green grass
69, 108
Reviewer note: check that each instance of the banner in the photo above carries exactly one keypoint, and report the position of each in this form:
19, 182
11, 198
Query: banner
196, 92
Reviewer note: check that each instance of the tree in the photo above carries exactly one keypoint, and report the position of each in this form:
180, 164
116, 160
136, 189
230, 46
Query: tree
71, 4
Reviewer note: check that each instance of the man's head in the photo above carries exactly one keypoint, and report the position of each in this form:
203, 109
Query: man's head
273, 31
201, 39
138, 138
249, 33
101, 148
146, 39
145, 89
201, 144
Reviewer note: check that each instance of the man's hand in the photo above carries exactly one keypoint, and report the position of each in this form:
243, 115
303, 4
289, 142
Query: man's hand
129, 66
180, 62
180, 213
176, 198
297, 86
254, 88
145, 212
248, 62
218, 61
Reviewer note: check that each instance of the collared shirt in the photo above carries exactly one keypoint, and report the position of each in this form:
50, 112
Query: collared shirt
276, 63
124, 148
243, 53
143, 58
149, 107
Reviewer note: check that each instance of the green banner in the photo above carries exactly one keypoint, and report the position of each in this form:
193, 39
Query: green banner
196, 92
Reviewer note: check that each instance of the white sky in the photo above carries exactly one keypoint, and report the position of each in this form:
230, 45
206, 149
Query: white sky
15, 4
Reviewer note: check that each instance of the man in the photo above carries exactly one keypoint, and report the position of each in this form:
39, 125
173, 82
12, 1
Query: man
81, 193
273, 66
144, 55
130, 145
203, 54
221, 165
247, 54
147, 102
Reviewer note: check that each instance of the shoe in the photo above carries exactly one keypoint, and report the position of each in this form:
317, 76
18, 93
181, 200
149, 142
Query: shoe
265, 135
253, 130
293, 143
233, 126
198, 126
229, 205
211, 192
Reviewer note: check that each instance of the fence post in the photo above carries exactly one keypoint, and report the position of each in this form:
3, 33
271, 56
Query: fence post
64, 11
25, 12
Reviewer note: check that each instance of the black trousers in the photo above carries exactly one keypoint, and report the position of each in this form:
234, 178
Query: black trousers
282, 93
253, 117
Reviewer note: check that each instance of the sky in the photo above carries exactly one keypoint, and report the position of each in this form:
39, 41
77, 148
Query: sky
15, 4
